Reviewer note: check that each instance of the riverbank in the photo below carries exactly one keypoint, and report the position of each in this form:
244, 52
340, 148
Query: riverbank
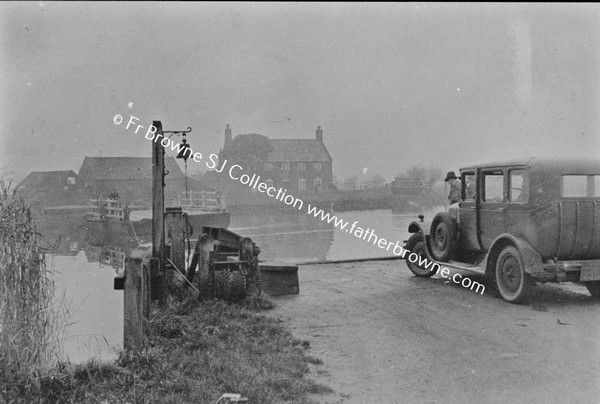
195, 353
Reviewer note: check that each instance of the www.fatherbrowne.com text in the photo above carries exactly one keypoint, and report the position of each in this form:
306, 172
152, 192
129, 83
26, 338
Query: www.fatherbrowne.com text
236, 173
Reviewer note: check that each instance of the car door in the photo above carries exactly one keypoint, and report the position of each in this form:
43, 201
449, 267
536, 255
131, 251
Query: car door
492, 204
517, 197
467, 218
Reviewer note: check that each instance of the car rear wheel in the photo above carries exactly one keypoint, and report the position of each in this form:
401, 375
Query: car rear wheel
594, 288
513, 283
416, 245
442, 237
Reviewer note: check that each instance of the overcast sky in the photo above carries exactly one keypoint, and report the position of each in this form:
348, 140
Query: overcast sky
392, 85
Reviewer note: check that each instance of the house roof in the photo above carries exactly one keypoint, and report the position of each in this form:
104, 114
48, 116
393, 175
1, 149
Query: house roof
125, 168
298, 150
37, 179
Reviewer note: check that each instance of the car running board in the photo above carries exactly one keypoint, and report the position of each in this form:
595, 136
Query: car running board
462, 266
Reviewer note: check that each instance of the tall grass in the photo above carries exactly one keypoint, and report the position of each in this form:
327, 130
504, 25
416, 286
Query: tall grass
26, 297
195, 353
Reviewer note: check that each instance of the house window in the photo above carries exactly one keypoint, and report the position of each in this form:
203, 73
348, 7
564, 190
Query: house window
317, 166
268, 167
71, 180
302, 185
269, 183
301, 166
318, 183
285, 166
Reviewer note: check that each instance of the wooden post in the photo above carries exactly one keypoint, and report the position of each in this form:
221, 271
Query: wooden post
247, 254
200, 260
156, 281
175, 224
158, 205
135, 304
146, 287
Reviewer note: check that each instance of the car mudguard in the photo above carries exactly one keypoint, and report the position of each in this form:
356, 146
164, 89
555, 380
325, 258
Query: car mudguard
530, 259
420, 226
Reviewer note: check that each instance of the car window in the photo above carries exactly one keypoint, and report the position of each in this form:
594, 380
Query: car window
574, 186
518, 186
468, 186
493, 186
596, 185
580, 186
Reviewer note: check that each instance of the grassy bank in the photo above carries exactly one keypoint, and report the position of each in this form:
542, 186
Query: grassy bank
195, 353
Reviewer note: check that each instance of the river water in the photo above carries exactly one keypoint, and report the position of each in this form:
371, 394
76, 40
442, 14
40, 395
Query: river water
85, 265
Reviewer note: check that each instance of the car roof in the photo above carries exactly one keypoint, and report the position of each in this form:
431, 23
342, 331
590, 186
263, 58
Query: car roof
552, 163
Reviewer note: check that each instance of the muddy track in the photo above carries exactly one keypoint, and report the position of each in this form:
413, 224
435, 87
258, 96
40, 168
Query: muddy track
386, 336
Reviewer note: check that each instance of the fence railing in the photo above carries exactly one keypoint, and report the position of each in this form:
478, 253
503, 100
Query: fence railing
206, 200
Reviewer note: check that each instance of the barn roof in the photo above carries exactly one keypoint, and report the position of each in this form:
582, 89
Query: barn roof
125, 168
37, 179
298, 150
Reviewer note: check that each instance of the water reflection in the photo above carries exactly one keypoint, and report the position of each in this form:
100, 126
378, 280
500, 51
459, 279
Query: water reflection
85, 260
84, 284
284, 234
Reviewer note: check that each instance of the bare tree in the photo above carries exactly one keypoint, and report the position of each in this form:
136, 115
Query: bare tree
417, 172
349, 183
375, 181
435, 174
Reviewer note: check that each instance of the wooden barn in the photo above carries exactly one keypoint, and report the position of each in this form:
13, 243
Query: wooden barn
54, 188
131, 178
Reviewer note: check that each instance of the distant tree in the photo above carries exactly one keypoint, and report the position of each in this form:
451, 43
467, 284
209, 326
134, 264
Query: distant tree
247, 148
375, 181
420, 174
336, 181
417, 172
349, 183
435, 175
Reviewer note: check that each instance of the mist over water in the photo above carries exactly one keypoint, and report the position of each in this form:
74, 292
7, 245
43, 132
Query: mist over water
85, 264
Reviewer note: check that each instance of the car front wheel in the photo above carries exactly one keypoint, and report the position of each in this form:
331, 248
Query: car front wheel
443, 237
594, 288
416, 245
513, 282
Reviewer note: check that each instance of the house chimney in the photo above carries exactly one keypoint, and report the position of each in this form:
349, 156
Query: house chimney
227, 135
319, 133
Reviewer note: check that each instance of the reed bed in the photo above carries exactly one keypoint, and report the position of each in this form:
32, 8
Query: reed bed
27, 337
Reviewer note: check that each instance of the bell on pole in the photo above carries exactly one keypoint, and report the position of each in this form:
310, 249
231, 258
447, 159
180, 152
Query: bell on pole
184, 151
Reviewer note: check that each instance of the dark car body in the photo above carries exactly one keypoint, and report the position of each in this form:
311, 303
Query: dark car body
548, 209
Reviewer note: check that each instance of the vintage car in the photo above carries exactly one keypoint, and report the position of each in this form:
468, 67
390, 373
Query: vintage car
519, 222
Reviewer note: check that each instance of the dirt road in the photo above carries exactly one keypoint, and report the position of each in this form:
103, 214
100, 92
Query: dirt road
386, 336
